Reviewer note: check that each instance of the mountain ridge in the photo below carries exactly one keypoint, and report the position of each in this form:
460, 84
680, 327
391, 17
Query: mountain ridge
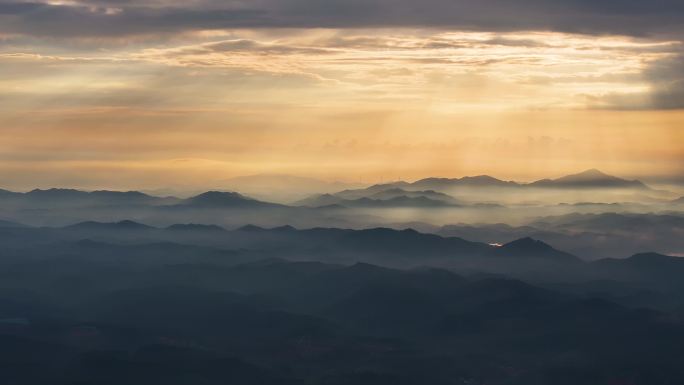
592, 178
222, 199
440, 188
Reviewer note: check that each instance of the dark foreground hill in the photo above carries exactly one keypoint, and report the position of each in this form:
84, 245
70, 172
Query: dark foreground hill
384, 246
278, 322
124, 303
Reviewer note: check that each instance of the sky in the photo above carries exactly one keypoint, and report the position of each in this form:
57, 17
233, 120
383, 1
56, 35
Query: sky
147, 94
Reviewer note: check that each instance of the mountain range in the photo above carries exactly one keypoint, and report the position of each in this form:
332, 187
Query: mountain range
377, 245
589, 179
434, 192
276, 322
126, 302
422, 193
281, 188
70, 197
382, 196
77, 198
218, 199
592, 178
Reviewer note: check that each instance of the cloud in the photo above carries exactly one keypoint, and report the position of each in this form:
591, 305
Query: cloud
360, 53
455, 70
666, 80
122, 17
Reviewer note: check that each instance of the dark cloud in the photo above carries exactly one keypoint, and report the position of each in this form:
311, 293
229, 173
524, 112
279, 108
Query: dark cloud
662, 19
118, 19
666, 79
121, 17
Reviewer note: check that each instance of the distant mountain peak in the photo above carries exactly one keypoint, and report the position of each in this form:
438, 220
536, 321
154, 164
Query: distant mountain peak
250, 228
529, 247
55, 192
123, 225
589, 174
220, 195
527, 243
130, 223
195, 227
284, 228
594, 171
53, 189
223, 199
120, 193
651, 257
385, 195
367, 268
474, 181
395, 190
42, 198
592, 178
485, 178
383, 186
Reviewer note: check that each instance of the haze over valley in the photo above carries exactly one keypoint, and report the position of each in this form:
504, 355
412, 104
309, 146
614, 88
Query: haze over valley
591, 214
369, 285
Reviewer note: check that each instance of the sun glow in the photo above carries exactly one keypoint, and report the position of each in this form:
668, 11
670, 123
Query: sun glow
337, 104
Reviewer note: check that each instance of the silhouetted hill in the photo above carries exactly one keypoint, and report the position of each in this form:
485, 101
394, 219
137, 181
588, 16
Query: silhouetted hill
498, 232
589, 179
284, 229
591, 236
379, 196
393, 193
319, 201
126, 225
153, 316
399, 201
468, 181
198, 228
129, 197
653, 259
384, 246
57, 197
218, 199
250, 228
56, 193
612, 222
365, 192
434, 188
121, 225
378, 245
655, 270
403, 243
531, 248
